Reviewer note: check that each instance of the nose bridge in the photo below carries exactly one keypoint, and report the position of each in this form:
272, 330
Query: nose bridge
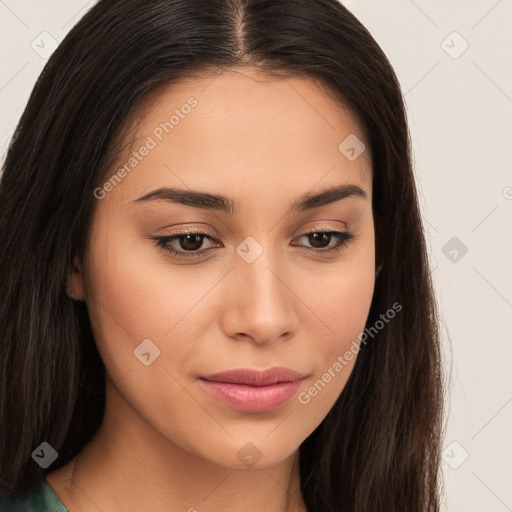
262, 299
256, 269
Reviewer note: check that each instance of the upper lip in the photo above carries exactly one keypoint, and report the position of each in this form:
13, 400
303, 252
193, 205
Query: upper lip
252, 377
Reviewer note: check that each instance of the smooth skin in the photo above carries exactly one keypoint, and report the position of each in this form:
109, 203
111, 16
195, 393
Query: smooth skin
165, 444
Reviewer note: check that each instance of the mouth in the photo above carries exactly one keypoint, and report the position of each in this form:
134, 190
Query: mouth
253, 390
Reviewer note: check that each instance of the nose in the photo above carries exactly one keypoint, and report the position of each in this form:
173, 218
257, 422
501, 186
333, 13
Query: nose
261, 306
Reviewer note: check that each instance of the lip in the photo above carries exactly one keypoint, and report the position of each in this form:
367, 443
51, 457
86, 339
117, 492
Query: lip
253, 390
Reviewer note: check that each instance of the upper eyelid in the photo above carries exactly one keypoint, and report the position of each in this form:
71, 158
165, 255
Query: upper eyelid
318, 228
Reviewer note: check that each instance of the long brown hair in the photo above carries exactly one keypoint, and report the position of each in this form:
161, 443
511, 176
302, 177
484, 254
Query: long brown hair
378, 449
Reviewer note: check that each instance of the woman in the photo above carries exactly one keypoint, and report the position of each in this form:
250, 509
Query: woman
216, 291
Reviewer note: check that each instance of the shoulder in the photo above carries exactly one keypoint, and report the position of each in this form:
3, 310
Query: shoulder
41, 499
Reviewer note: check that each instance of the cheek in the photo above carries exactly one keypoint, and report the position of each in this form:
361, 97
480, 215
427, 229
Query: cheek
132, 299
138, 295
132, 287
122, 297
349, 306
343, 309
345, 301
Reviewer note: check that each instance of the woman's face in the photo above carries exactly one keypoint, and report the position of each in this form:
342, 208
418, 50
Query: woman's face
255, 290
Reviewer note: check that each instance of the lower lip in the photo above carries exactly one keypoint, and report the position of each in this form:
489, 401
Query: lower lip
253, 398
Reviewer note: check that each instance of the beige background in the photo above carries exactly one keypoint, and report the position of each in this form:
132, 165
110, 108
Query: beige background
459, 103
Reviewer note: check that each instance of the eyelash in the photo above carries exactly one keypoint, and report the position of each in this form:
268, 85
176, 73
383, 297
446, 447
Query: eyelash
344, 238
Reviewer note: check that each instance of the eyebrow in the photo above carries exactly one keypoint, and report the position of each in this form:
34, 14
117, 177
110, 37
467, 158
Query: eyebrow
220, 203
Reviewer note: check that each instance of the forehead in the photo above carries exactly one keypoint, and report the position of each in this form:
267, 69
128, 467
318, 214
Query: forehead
261, 101
243, 125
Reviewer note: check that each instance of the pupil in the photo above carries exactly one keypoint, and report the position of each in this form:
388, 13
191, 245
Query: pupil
316, 236
188, 242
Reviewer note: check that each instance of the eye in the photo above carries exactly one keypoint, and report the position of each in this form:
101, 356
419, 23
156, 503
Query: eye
188, 244
320, 239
